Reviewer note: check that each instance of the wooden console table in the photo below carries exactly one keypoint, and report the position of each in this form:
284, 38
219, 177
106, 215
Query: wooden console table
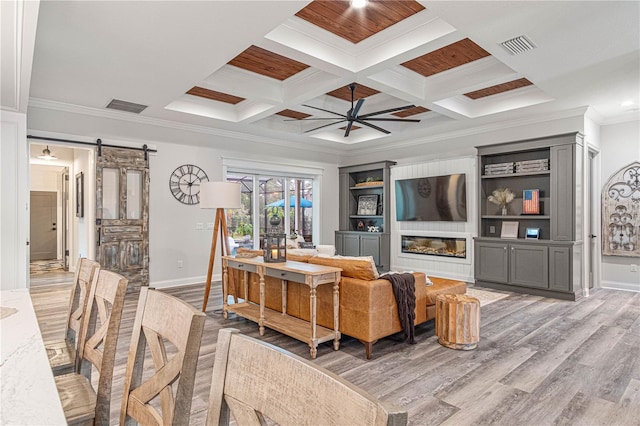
305, 273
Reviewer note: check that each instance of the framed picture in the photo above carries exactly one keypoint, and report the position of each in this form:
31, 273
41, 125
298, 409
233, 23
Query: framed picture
509, 230
80, 195
368, 205
531, 201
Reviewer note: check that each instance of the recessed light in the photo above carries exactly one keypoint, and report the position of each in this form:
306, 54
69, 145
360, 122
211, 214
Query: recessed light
626, 104
358, 4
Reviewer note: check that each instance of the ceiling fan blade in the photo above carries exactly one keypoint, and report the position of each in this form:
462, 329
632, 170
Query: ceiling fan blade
325, 110
326, 125
354, 114
346, 132
406, 120
384, 111
309, 119
380, 129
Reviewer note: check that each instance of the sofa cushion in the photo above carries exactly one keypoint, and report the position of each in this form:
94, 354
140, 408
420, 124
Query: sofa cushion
299, 257
360, 267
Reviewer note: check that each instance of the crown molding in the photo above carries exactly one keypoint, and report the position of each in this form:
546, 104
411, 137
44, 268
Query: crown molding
470, 131
123, 116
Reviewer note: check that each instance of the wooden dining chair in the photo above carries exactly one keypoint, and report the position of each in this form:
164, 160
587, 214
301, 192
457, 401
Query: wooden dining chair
62, 353
82, 404
162, 319
255, 381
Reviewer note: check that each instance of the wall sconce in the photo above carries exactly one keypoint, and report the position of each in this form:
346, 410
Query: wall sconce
275, 248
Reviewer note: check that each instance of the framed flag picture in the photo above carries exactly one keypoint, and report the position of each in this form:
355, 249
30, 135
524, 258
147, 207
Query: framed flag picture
531, 201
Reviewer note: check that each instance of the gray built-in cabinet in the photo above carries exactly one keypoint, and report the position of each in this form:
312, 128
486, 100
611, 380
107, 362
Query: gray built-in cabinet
551, 265
359, 183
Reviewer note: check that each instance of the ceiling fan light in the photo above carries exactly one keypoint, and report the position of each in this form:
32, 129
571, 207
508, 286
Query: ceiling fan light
46, 154
358, 4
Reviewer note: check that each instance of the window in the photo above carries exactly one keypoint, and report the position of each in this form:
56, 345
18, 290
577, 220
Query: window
265, 208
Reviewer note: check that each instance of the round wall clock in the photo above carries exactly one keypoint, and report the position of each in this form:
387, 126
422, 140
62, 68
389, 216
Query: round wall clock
184, 183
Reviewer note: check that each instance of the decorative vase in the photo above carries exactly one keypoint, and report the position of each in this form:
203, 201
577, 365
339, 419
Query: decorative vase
503, 209
274, 220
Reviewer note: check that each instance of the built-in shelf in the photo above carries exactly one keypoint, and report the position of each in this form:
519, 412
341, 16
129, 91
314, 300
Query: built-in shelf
510, 175
512, 217
367, 187
352, 238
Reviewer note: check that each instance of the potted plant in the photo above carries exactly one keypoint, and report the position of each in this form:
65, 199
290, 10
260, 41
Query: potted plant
275, 215
244, 230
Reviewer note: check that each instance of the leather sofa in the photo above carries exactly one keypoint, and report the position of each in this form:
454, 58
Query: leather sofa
368, 310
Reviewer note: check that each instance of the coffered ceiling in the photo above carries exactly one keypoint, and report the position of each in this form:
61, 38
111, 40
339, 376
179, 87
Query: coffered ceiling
281, 69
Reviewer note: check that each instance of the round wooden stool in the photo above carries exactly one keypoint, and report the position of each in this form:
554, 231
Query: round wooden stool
458, 321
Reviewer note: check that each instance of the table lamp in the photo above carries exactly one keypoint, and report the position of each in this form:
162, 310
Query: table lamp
219, 196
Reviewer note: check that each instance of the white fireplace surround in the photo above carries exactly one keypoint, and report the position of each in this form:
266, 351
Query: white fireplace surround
434, 234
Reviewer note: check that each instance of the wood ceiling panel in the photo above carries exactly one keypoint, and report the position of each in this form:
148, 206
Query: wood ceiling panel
264, 62
344, 93
498, 88
446, 58
411, 111
293, 114
215, 96
355, 25
353, 127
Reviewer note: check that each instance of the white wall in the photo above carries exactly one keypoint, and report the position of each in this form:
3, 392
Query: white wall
173, 235
620, 145
14, 193
172, 225
460, 269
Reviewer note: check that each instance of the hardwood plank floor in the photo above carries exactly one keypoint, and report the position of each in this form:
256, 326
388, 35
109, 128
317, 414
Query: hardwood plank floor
540, 361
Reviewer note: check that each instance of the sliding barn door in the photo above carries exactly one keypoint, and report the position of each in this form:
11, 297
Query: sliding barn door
122, 213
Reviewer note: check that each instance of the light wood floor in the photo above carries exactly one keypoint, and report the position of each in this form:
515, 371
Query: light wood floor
540, 361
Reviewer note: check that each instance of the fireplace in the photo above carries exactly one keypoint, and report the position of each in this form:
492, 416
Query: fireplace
449, 247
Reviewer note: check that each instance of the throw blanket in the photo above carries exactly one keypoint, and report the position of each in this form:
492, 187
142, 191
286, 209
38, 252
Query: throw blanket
404, 290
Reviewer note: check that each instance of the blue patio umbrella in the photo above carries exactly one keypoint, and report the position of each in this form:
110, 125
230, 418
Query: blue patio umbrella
292, 203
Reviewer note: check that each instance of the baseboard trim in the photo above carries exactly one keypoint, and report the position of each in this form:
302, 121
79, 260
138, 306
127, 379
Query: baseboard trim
617, 285
529, 290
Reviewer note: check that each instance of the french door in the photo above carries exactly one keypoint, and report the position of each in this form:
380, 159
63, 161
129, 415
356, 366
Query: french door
122, 214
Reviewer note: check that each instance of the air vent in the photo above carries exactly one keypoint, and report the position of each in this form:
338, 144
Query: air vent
126, 106
518, 45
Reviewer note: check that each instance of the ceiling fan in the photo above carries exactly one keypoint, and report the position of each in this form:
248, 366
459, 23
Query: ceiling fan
353, 116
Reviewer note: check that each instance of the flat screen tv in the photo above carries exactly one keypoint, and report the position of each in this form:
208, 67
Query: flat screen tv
434, 198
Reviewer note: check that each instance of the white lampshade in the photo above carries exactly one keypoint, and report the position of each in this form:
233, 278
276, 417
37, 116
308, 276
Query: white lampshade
215, 195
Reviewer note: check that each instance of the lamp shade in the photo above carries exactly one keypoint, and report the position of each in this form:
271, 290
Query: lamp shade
216, 195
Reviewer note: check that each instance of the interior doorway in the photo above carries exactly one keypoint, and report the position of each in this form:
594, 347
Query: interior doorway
50, 226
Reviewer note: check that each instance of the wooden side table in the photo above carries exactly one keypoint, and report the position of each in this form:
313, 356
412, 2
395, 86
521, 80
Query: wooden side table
458, 321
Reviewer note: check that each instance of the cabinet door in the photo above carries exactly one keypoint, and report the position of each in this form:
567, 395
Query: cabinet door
562, 193
529, 265
350, 245
491, 262
339, 243
344, 200
560, 268
370, 246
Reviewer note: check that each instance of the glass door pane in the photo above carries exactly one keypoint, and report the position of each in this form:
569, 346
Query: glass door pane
110, 193
134, 194
240, 221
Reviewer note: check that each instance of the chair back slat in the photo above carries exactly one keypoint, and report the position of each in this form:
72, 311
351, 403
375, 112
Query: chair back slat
86, 275
286, 389
173, 365
100, 336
